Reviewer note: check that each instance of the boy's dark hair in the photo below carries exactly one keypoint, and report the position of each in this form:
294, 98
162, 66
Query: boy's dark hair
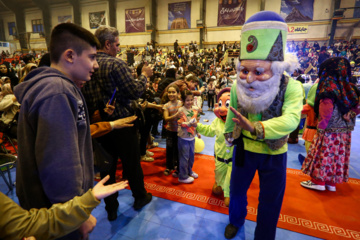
186, 93
69, 35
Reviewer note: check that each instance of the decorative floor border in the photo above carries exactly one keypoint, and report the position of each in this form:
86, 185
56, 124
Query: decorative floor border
346, 233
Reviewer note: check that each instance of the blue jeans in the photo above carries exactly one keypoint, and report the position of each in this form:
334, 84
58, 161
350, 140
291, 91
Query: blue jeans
186, 157
272, 176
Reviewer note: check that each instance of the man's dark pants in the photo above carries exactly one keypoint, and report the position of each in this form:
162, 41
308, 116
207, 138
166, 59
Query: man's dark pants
272, 176
124, 144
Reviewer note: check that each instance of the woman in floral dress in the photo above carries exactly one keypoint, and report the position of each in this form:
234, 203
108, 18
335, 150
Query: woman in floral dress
336, 106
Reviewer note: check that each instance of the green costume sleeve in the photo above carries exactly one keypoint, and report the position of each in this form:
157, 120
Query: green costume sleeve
206, 130
57, 221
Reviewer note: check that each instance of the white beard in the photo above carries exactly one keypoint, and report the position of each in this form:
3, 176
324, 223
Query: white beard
261, 97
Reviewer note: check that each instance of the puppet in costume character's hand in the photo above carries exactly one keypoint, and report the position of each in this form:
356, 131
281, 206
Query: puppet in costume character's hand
223, 153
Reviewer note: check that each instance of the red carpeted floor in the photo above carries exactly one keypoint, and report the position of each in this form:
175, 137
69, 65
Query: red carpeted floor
327, 215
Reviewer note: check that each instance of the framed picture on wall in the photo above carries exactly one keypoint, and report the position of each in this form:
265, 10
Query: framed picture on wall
179, 15
96, 19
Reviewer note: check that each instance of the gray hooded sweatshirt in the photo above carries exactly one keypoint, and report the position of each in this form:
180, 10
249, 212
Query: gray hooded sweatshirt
55, 161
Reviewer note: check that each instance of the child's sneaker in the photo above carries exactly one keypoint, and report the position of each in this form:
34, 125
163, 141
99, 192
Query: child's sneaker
194, 175
309, 184
167, 172
153, 145
187, 180
149, 154
146, 159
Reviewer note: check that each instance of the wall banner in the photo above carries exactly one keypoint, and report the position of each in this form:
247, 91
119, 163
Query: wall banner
298, 29
179, 15
135, 20
231, 12
297, 11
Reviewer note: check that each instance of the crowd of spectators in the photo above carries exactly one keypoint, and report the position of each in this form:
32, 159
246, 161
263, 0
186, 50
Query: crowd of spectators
311, 55
210, 61
215, 63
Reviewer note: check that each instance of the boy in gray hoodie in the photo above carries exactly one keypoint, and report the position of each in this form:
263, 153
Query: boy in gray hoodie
55, 161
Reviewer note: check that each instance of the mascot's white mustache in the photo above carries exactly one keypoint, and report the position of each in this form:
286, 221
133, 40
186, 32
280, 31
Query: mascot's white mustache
256, 88
257, 96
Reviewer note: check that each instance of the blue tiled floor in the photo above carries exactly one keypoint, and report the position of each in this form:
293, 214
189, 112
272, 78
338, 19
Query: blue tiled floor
166, 220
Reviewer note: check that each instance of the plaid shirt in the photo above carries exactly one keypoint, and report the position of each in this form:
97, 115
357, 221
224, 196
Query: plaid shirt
113, 73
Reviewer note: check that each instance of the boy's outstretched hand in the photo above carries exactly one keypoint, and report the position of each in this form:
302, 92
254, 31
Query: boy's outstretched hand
101, 191
124, 122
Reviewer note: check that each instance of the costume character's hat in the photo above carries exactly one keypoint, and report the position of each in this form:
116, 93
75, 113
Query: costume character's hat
263, 37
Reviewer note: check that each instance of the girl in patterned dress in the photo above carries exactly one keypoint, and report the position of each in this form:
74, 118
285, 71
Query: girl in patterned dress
336, 106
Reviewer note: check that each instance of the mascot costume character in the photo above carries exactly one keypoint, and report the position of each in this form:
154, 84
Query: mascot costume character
223, 153
265, 106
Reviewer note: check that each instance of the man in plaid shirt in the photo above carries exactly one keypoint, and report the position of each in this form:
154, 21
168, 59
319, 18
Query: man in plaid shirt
113, 73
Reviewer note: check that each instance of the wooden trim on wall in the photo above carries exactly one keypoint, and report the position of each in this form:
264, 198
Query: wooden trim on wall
351, 20
40, 40
122, 34
178, 31
324, 22
231, 42
213, 29
308, 39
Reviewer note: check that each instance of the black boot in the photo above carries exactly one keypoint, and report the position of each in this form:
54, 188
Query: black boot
230, 231
140, 203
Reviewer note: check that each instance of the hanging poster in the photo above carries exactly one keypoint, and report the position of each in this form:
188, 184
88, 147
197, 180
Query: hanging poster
65, 19
135, 20
96, 19
179, 15
231, 12
297, 10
